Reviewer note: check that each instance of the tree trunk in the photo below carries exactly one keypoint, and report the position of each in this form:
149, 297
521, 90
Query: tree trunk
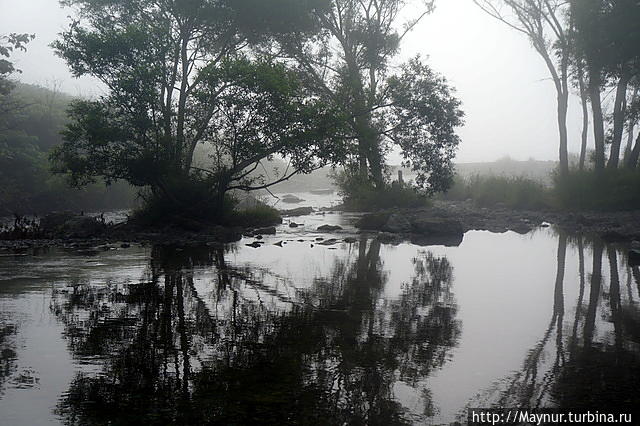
632, 126
598, 119
585, 122
620, 105
632, 161
563, 98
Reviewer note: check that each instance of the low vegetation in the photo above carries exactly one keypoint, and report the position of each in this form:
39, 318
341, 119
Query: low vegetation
579, 190
518, 193
607, 190
359, 194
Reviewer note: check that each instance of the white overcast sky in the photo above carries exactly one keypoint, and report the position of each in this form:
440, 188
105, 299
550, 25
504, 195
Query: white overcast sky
507, 96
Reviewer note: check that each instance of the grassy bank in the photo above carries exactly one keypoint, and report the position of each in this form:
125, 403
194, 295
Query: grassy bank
608, 190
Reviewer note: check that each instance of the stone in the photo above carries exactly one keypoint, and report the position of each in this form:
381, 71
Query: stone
270, 230
294, 225
329, 228
300, 211
328, 242
436, 226
291, 199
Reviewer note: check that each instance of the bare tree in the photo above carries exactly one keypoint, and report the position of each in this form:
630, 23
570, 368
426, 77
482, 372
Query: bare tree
542, 22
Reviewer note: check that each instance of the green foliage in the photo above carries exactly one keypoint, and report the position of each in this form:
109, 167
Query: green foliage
359, 194
179, 79
9, 44
518, 193
260, 215
423, 117
26, 184
609, 190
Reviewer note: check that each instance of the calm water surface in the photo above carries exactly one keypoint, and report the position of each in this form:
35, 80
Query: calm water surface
350, 333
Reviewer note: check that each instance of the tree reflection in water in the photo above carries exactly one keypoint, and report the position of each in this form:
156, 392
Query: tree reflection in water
593, 360
333, 353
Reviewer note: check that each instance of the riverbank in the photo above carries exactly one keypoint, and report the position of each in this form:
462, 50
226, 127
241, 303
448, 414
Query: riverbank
442, 219
610, 226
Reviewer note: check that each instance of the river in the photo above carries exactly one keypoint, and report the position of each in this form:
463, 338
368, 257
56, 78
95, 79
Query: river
305, 333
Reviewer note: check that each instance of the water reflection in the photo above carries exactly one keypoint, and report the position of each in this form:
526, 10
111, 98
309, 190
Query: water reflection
331, 353
362, 333
590, 360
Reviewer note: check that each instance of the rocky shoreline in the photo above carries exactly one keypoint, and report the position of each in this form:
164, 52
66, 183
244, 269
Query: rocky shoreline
451, 218
443, 223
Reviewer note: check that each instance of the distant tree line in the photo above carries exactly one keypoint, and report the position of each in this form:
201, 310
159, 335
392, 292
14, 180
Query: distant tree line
592, 47
31, 123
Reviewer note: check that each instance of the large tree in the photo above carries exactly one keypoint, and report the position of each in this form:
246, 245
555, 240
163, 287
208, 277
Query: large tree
542, 22
177, 78
605, 44
348, 64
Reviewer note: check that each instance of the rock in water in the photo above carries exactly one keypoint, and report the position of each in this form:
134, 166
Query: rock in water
436, 226
271, 230
300, 211
329, 228
291, 199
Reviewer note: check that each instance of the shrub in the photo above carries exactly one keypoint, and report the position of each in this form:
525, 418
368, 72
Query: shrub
606, 190
185, 202
360, 194
518, 193
260, 215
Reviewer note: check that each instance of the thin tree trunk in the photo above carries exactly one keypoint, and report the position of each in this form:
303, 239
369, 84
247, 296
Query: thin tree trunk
630, 134
598, 119
584, 98
562, 126
620, 105
632, 163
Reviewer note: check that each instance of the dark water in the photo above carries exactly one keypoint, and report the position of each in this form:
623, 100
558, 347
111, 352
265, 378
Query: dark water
360, 333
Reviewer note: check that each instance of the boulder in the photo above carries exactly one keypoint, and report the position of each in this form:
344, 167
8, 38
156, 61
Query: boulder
329, 228
291, 199
300, 211
436, 226
269, 230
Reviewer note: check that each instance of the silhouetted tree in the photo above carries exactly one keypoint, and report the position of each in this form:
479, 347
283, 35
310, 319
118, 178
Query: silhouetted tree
542, 22
348, 64
177, 78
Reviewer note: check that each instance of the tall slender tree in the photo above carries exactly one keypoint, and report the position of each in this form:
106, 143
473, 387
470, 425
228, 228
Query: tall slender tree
543, 23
